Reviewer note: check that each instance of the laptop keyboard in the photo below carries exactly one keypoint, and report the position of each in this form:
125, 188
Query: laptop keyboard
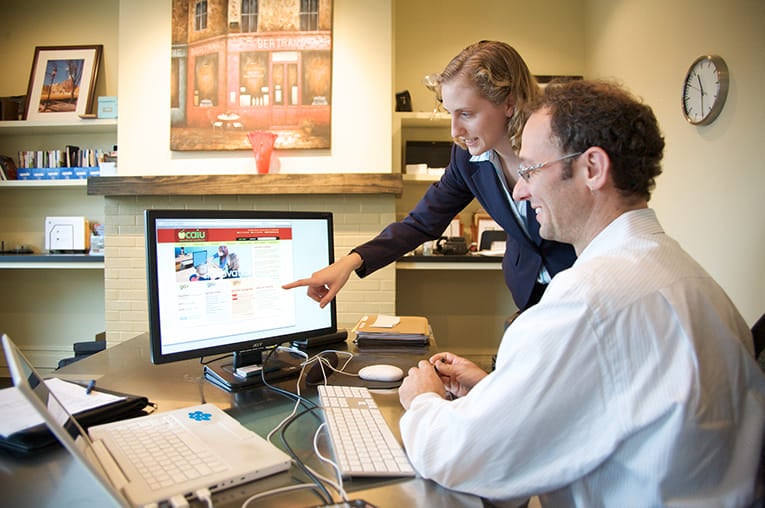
165, 453
362, 442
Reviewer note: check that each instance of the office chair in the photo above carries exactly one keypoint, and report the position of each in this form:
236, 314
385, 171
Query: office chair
85, 349
758, 334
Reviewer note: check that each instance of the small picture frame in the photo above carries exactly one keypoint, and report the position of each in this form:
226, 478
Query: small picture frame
62, 82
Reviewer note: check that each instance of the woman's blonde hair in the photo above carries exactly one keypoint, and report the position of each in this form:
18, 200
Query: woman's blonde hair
500, 75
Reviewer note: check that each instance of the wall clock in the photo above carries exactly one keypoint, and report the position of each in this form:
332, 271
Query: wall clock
705, 89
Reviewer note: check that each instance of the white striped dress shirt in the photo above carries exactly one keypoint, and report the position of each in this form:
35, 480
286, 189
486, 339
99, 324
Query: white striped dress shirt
631, 383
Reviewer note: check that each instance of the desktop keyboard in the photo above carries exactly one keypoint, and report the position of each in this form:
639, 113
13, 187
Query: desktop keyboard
362, 442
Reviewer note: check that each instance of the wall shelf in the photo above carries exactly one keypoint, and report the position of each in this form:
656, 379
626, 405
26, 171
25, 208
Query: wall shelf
33, 127
423, 119
51, 261
440, 262
421, 178
250, 184
40, 184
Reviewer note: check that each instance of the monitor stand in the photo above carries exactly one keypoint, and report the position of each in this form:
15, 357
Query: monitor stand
245, 369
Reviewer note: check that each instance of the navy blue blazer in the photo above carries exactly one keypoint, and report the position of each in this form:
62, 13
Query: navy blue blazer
464, 180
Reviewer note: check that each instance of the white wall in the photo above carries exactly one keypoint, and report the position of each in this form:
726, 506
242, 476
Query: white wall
362, 97
25, 24
710, 196
429, 33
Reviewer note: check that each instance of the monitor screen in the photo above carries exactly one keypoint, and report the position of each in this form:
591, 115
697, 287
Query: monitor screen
215, 277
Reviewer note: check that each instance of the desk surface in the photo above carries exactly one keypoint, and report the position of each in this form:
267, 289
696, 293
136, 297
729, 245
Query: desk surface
127, 367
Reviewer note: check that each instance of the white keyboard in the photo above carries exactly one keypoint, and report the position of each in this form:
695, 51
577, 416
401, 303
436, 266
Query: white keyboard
362, 442
165, 453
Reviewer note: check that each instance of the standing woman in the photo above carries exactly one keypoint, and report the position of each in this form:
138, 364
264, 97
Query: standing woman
486, 88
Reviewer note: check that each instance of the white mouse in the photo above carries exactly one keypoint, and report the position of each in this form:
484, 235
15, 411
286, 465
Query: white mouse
381, 372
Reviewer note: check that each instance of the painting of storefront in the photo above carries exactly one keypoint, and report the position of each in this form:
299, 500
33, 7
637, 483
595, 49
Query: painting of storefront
240, 66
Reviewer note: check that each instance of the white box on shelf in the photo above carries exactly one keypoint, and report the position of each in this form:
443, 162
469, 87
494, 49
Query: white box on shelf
416, 169
67, 234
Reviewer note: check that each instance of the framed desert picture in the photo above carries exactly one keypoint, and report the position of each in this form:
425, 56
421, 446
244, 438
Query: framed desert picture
251, 66
62, 82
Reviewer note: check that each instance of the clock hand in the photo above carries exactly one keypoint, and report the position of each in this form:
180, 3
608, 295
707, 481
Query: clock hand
701, 87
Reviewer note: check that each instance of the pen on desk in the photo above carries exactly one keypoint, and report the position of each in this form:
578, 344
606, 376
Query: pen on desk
91, 385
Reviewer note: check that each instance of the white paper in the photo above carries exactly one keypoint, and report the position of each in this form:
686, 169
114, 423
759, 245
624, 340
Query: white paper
18, 413
384, 321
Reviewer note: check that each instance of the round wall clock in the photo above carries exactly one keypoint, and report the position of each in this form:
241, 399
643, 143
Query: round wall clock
705, 89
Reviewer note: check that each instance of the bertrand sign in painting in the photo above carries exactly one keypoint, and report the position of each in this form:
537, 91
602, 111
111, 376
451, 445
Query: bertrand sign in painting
242, 66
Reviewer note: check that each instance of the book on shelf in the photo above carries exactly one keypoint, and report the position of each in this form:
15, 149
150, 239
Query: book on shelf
7, 168
381, 328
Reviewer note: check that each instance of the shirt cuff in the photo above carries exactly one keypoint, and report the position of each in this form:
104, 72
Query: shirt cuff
362, 269
423, 398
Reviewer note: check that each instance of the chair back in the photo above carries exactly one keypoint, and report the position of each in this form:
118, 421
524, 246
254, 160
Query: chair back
758, 334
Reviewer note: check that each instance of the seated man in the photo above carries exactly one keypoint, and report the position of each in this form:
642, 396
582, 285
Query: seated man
632, 382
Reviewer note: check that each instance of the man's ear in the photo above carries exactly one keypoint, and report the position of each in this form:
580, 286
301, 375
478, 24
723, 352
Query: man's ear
598, 167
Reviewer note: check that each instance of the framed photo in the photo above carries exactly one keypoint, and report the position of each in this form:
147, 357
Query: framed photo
62, 82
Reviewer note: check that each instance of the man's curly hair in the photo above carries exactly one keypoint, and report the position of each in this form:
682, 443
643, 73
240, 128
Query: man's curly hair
588, 113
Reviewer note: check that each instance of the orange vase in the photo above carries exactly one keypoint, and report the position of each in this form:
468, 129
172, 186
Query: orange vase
262, 145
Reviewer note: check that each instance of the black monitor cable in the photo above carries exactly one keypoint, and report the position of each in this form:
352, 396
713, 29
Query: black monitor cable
297, 460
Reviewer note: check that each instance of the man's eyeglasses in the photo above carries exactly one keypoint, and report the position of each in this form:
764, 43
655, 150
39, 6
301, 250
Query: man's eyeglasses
526, 171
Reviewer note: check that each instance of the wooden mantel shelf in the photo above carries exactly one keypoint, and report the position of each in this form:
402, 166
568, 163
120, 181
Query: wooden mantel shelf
253, 184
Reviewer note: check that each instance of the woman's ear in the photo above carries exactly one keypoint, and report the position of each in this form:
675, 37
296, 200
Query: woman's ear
509, 106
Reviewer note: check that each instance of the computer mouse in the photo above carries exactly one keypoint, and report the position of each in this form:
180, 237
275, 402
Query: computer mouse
381, 372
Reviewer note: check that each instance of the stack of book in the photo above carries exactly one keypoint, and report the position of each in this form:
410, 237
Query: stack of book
380, 329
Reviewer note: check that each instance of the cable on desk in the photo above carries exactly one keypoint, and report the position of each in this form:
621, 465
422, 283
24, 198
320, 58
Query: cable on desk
286, 393
339, 485
203, 362
179, 501
323, 362
280, 490
311, 407
298, 396
298, 462
205, 496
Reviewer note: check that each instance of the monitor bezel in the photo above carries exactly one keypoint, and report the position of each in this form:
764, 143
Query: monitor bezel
150, 226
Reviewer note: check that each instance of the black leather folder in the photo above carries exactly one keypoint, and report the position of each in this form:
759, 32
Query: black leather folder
39, 437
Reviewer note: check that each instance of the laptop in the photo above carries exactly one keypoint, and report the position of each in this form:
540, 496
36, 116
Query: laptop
230, 454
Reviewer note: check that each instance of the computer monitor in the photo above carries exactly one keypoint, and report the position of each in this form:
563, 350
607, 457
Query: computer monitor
214, 282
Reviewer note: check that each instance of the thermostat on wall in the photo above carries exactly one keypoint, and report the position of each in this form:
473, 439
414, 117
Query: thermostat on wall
67, 234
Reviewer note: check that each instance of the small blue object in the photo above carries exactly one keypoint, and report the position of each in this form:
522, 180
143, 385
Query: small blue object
107, 107
200, 416
91, 385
